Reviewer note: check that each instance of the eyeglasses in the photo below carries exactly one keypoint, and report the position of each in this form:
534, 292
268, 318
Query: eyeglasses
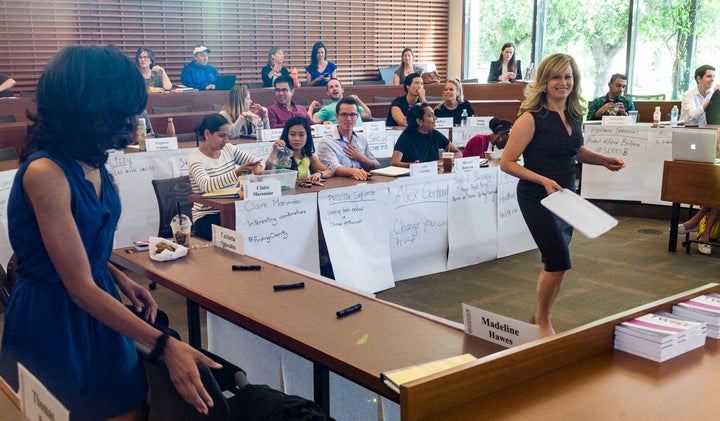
144, 57
348, 115
283, 90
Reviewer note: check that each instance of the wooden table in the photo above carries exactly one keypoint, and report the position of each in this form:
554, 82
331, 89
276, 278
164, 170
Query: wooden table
380, 337
693, 183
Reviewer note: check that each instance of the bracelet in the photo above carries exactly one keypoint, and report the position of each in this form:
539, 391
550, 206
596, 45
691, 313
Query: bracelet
159, 348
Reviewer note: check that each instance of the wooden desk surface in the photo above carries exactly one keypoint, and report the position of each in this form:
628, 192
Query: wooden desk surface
693, 183
359, 347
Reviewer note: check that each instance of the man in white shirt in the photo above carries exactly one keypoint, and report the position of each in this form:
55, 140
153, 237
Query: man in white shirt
344, 151
695, 101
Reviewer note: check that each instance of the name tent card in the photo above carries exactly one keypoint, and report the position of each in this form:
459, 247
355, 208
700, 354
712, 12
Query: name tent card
161, 144
373, 126
36, 402
228, 239
263, 190
496, 328
483, 122
423, 169
269, 135
444, 122
469, 164
320, 130
616, 120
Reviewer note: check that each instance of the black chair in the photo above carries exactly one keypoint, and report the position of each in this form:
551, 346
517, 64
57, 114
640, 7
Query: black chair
368, 82
10, 118
255, 85
469, 80
169, 192
217, 107
429, 98
712, 113
28, 94
172, 110
383, 99
8, 154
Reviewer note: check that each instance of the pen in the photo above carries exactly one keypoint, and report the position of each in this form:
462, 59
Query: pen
245, 267
346, 311
282, 287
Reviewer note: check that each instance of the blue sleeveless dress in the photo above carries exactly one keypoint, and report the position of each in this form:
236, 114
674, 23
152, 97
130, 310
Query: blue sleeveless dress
93, 370
551, 153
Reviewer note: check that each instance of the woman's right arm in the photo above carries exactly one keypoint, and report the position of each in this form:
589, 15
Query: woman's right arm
48, 193
521, 136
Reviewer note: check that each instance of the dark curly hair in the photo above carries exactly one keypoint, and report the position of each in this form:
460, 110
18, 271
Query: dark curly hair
88, 102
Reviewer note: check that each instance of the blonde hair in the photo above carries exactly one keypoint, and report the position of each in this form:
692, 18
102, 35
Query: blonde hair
235, 107
554, 65
458, 87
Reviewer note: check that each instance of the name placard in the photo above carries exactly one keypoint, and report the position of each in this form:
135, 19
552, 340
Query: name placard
480, 122
373, 126
228, 239
444, 122
616, 120
269, 135
320, 130
263, 190
499, 329
161, 143
467, 164
36, 402
424, 169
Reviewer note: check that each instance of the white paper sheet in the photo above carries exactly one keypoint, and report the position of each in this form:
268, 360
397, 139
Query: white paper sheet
578, 212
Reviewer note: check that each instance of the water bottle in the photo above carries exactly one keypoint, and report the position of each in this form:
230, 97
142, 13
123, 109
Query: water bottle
242, 182
294, 76
463, 118
674, 116
656, 117
141, 132
170, 128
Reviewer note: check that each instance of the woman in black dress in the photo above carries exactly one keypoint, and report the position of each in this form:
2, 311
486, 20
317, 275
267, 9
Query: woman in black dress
548, 135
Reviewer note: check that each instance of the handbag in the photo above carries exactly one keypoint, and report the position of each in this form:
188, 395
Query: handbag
430, 77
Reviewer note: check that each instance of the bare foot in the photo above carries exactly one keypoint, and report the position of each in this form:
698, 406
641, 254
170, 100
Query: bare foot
545, 328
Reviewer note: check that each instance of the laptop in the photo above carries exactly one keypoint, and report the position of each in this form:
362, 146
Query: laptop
696, 145
225, 82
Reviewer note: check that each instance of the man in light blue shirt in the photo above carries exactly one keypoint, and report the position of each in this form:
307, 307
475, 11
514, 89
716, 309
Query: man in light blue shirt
326, 114
344, 151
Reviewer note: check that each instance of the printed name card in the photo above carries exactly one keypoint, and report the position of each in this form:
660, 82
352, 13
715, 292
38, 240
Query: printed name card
228, 239
320, 130
161, 143
36, 402
373, 126
616, 120
483, 122
269, 135
469, 164
444, 122
263, 190
496, 328
423, 169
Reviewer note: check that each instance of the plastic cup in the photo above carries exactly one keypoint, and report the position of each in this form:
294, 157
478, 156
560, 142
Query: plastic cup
181, 229
447, 160
633, 116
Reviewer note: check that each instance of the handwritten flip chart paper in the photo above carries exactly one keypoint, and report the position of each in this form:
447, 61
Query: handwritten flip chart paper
6, 180
472, 218
513, 234
133, 174
418, 235
356, 230
381, 143
281, 230
628, 143
261, 150
659, 149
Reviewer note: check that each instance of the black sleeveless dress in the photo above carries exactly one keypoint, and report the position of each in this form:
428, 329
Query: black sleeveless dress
551, 153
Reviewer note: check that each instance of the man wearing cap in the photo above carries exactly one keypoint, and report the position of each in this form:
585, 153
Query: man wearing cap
326, 114
198, 74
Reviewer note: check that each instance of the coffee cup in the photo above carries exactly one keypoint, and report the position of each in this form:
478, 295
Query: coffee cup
181, 227
447, 160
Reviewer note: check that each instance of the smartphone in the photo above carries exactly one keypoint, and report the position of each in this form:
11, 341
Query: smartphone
326, 74
141, 245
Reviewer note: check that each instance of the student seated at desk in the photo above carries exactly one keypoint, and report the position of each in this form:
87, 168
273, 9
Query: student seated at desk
5, 84
214, 165
708, 219
420, 142
198, 73
245, 118
696, 100
414, 92
297, 137
479, 144
345, 151
454, 103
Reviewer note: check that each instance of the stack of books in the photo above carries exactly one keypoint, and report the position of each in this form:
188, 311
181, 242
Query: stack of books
705, 308
659, 336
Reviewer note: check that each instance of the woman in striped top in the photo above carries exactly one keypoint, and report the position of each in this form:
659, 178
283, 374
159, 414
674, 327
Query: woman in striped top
214, 165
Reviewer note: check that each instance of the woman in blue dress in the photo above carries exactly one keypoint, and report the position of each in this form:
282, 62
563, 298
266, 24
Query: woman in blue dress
548, 135
64, 321
320, 71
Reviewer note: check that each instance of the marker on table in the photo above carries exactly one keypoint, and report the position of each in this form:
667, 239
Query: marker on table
246, 267
350, 310
282, 287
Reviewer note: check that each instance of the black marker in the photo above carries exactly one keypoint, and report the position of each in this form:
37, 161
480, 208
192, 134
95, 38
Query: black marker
245, 267
350, 310
289, 286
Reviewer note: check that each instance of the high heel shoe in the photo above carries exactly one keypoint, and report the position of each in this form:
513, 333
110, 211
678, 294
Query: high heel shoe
683, 231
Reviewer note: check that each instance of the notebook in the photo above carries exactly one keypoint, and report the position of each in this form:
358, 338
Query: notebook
696, 145
225, 82
391, 171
